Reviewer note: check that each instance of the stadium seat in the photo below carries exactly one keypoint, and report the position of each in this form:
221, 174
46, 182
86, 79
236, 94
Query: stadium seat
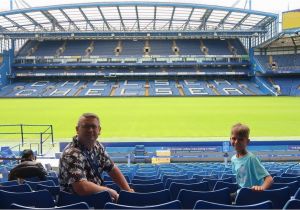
17, 188
292, 204
170, 205
81, 205
54, 190
278, 179
145, 177
233, 187
144, 199
210, 205
96, 200
278, 197
39, 199
113, 186
34, 184
176, 187
188, 198
165, 177
297, 194
150, 181
292, 185
212, 182
184, 181
9, 183
145, 188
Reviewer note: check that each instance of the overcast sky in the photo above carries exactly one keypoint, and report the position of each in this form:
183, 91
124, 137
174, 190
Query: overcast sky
275, 6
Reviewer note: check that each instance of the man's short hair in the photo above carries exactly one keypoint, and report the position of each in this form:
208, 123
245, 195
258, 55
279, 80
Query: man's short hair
26, 154
241, 130
88, 115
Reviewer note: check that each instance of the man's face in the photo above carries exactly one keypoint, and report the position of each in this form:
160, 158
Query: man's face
88, 130
238, 142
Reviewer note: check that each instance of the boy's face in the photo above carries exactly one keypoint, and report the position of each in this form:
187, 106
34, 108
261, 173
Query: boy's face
239, 142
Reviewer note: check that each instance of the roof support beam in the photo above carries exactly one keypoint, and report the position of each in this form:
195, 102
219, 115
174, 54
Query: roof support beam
104, 19
224, 20
34, 22
172, 17
137, 18
241, 22
189, 18
205, 18
52, 20
121, 19
15, 23
155, 11
261, 23
86, 19
69, 19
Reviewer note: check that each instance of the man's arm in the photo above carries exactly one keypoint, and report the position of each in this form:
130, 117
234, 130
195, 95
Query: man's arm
268, 181
118, 178
85, 187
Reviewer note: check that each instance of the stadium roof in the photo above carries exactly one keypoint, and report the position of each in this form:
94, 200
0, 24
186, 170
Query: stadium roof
133, 17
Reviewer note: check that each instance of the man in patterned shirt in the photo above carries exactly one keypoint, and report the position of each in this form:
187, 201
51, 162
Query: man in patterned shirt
84, 160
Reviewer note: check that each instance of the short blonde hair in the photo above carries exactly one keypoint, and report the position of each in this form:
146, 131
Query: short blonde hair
241, 130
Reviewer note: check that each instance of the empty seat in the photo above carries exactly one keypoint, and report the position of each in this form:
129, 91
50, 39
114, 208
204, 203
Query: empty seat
144, 199
81, 205
233, 187
176, 187
34, 184
292, 204
184, 181
96, 200
145, 188
150, 181
9, 183
170, 205
210, 205
278, 197
212, 182
188, 198
292, 185
16, 188
39, 199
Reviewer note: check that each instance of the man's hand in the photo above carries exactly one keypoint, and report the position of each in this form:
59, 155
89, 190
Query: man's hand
113, 194
258, 188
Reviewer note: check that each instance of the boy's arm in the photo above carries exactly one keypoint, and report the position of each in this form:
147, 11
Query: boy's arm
268, 181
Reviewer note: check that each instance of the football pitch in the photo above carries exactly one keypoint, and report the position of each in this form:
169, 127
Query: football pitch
159, 117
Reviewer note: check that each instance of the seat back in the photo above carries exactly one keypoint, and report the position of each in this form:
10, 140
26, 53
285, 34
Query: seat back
170, 205
34, 184
233, 187
81, 205
212, 182
185, 181
16, 188
188, 198
176, 187
278, 197
39, 199
141, 181
292, 204
210, 205
96, 200
144, 199
292, 185
9, 183
54, 190
145, 188
297, 194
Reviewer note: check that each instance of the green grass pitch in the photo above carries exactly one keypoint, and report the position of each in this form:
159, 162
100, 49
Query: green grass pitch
162, 117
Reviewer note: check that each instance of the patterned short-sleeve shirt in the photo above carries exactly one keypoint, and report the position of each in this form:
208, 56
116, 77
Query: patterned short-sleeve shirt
74, 166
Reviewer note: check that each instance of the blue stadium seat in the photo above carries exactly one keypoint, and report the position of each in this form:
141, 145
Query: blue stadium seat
176, 187
113, 186
150, 181
34, 184
54, 190
278, 179
96, 200
169, 205
17, 188
233, 187
188, 198
294, 186
210, 205
144, 199
81, 205
212, 182
184, 181
39, 199
297, 194
292, 204
9, 183
278, 197
145, 188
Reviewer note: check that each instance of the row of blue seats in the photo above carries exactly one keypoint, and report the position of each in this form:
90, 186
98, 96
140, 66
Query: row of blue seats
188, 199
